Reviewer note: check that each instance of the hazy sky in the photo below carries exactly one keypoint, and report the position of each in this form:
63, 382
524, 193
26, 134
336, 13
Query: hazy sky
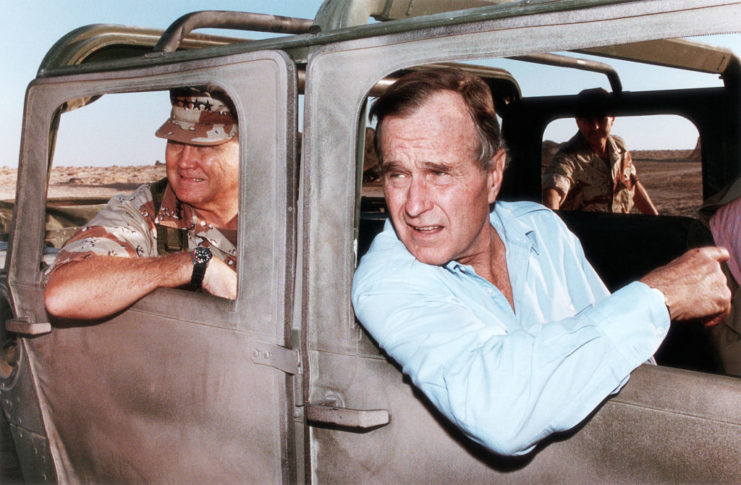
33, 26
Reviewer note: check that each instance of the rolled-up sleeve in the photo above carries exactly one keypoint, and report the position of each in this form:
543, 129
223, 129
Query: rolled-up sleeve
124, 228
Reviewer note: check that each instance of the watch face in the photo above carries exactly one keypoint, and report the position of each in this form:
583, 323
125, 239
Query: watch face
201, 255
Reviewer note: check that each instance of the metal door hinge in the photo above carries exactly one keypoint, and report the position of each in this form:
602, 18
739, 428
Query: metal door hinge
281, 358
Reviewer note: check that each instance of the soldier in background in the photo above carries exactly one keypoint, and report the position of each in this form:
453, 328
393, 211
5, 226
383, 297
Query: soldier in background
594, 171
178, 232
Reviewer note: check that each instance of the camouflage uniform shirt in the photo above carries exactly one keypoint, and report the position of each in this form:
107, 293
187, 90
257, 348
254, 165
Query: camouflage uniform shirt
127, 227
590, 182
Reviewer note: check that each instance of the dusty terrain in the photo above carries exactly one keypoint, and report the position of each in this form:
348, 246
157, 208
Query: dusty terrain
672, 177
87, 181
675, 187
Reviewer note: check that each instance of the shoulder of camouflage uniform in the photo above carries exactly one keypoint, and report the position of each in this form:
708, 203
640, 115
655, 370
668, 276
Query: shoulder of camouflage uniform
620, 143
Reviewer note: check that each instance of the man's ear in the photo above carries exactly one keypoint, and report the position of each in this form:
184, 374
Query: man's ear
495, 174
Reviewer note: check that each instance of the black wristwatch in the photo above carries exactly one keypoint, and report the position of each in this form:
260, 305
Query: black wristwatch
200, 257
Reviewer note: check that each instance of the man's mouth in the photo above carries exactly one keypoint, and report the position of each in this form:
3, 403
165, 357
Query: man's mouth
191, 179
426, 229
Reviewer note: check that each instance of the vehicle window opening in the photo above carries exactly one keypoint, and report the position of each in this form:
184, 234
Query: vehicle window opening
668, 154
664, 149
85, 176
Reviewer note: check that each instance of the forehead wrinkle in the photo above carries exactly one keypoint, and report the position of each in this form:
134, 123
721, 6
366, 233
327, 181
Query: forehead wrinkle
437, 166
441, 126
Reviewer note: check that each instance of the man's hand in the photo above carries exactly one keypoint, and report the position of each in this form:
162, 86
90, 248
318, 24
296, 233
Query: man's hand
220, 280
694, 285
642, 200
553, 197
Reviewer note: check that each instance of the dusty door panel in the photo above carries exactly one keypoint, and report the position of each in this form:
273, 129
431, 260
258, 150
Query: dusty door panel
649, 432
169, 389
19, 402
145, 395
644, 435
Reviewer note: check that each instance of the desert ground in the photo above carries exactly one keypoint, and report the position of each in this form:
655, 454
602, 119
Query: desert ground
676, 188
672, 177
101, 182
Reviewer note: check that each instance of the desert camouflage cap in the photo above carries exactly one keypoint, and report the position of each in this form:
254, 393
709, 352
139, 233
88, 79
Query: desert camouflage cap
199, 117
592, 102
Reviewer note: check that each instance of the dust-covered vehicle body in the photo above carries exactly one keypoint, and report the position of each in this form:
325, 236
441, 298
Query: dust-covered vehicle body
282, 384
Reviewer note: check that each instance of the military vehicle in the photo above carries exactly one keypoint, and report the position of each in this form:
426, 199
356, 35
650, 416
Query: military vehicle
283, 385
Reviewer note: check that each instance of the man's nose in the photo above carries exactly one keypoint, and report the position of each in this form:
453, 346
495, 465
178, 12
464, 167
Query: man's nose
418, 197
188, 156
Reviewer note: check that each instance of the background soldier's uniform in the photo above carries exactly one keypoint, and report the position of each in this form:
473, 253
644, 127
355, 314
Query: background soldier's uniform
589, 182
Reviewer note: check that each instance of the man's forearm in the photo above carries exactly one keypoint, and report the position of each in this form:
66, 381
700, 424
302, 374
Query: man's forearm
642, 200
102, 285
552, 198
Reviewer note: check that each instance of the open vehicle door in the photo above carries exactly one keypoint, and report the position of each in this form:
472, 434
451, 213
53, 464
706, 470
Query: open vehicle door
369, 425
181, 385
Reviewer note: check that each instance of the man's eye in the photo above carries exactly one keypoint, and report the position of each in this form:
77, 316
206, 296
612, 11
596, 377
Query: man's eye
440, 174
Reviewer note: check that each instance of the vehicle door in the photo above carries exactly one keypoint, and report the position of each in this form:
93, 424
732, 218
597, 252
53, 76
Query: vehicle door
182, 387
368, 423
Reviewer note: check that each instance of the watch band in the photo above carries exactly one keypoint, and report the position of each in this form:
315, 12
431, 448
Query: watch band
200, 257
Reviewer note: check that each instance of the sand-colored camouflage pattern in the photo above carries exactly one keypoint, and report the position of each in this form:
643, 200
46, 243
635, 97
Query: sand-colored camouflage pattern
199, 118
127, 228
591, 183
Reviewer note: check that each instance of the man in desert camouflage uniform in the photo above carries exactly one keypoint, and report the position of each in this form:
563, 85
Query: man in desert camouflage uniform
594, 171
178, 232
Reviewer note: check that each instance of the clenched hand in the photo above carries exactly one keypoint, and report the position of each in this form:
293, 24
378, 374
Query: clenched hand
694, 285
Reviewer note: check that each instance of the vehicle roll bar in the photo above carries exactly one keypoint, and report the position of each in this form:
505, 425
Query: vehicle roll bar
220, 19
574, 63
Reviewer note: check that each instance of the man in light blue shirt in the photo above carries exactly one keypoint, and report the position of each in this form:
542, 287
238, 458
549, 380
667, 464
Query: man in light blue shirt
497, 316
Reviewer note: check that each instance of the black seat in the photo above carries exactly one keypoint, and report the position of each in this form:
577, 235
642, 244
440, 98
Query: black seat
624, 247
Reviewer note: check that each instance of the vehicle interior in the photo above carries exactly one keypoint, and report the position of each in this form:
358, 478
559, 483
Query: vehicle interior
643, 242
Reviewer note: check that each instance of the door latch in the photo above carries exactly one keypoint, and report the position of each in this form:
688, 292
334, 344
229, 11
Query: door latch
346, 417
26, 328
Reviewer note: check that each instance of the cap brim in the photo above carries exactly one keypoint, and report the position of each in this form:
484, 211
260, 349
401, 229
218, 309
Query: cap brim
198, 134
